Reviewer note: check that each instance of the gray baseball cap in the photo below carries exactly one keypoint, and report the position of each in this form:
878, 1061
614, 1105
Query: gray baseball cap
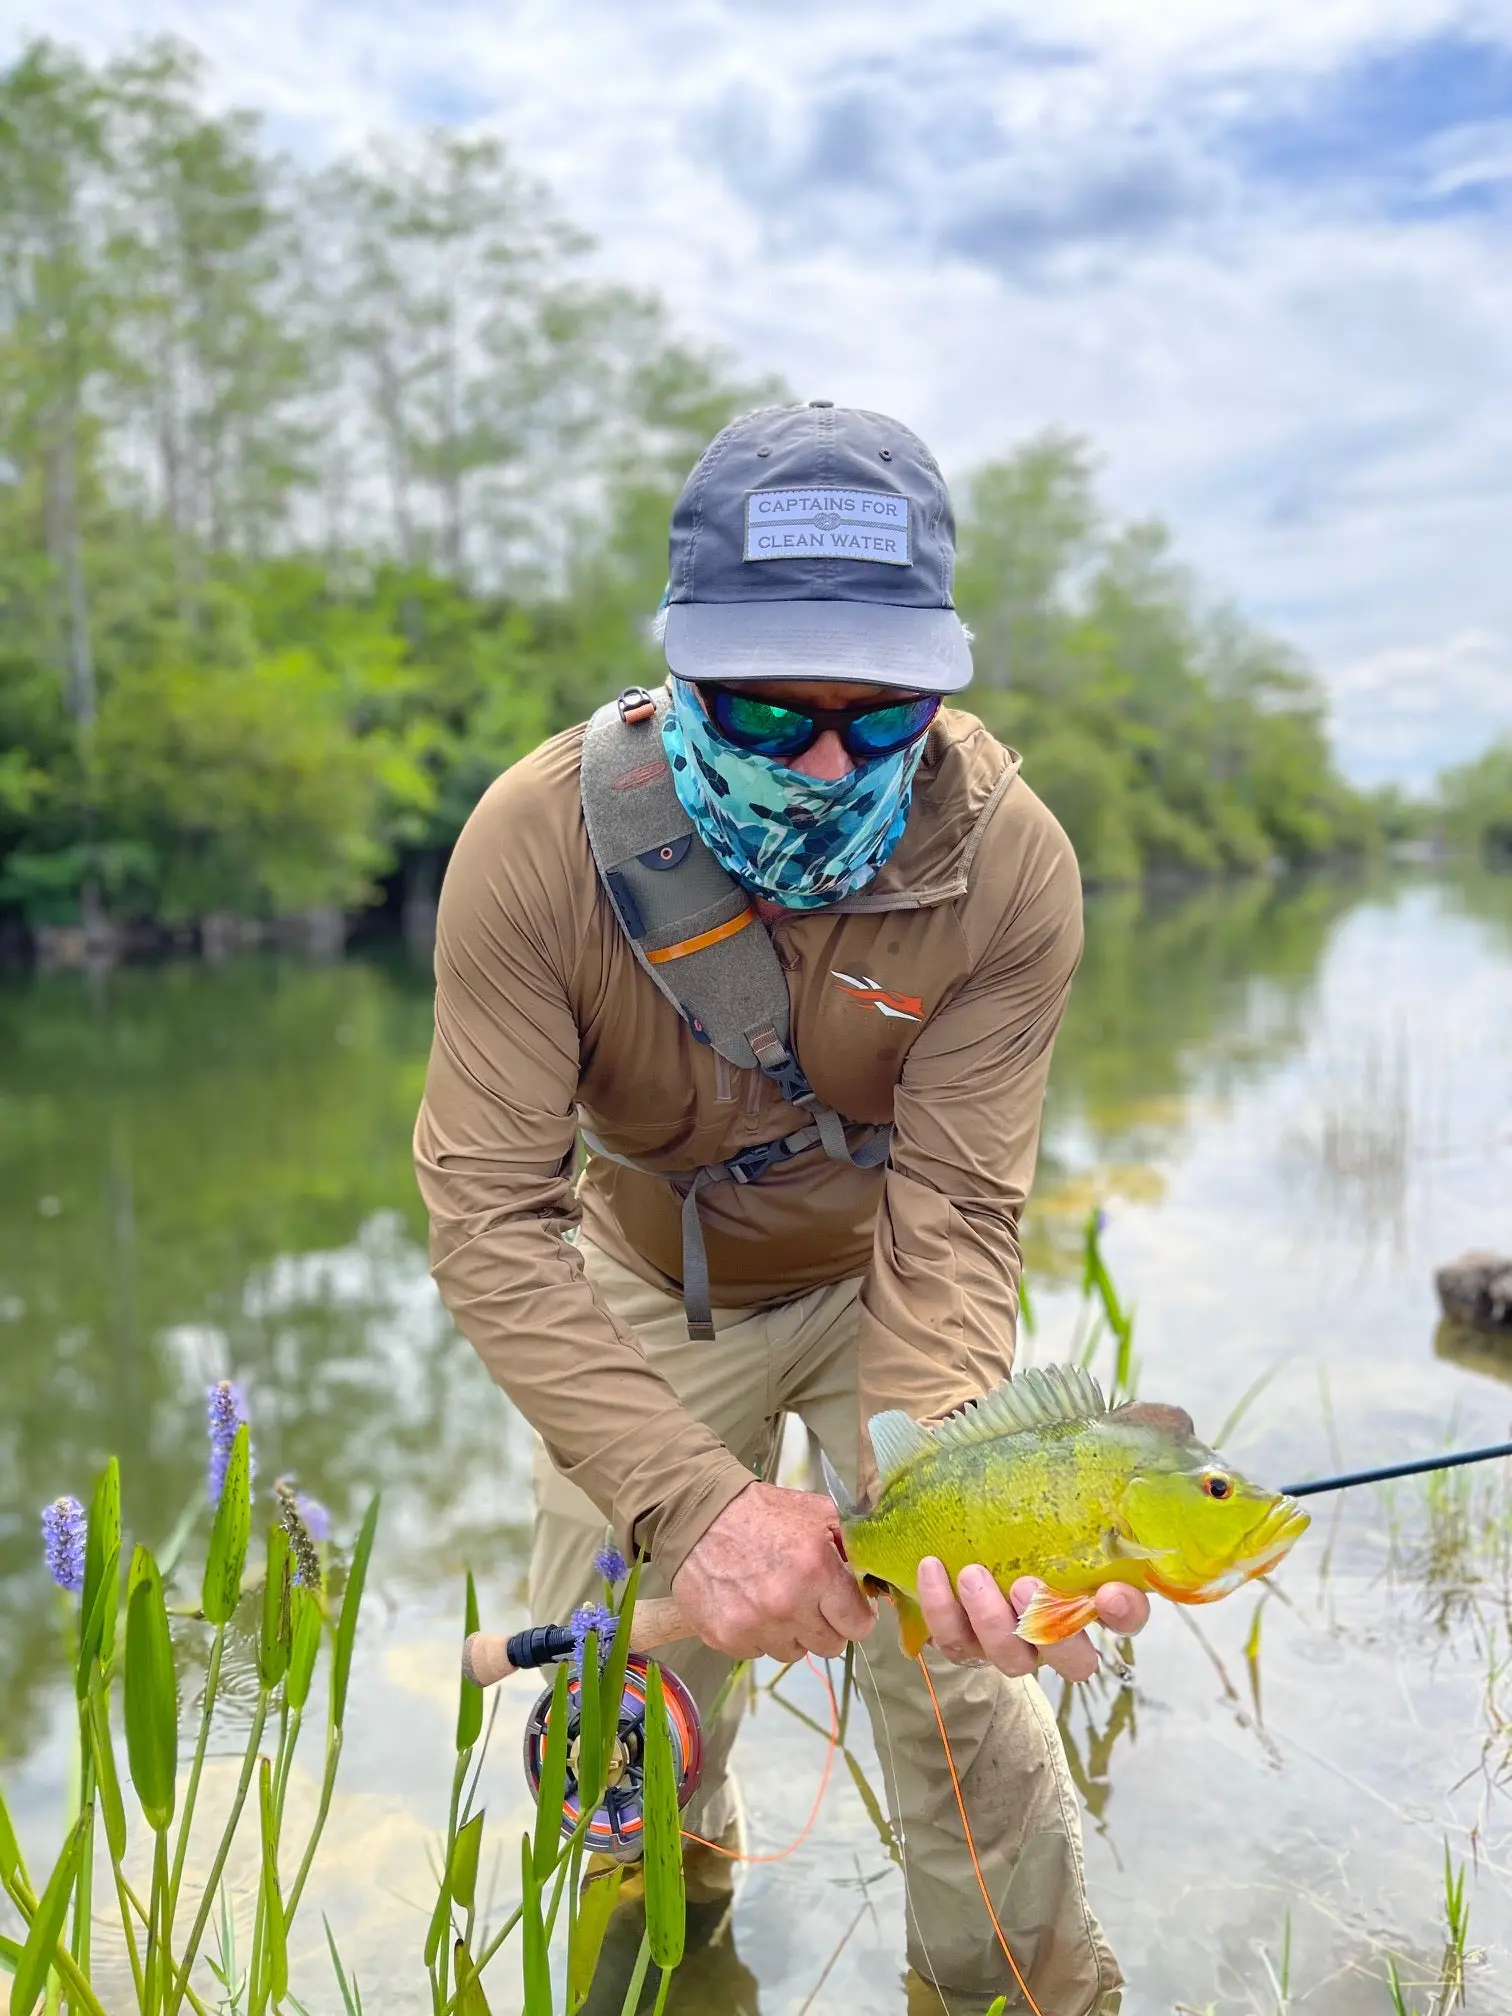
816, 542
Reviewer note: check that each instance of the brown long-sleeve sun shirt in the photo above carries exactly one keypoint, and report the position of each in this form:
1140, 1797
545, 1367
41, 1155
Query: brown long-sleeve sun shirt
931, 1000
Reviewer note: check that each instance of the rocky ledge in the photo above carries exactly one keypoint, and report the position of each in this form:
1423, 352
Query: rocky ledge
1476, 1290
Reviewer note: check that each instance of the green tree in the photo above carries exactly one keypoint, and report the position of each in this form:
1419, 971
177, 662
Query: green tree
1165, 733
210, 363
1475, 801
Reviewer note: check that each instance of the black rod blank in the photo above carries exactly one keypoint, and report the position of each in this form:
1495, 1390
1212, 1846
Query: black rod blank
1414, 1469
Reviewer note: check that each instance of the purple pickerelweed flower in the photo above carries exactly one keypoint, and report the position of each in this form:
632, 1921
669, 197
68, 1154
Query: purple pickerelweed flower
1101, 1221
317, 1521
610, 1563
591, 1617
63, 1543
226, 1410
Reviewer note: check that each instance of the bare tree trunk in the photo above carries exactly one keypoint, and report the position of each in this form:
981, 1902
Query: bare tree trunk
80, 695
396, 455
451, 469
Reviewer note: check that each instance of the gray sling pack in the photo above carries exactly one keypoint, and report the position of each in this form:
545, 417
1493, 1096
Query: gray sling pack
692, 928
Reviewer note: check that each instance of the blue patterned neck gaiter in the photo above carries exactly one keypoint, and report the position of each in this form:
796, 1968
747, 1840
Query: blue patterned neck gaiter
797, 840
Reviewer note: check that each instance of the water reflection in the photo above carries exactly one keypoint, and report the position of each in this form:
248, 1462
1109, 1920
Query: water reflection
206, 1171
1178, 997
202, 1172
1477, 1350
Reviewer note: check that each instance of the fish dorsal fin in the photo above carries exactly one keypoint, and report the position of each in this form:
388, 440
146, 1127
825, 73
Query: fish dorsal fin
1046, 1397
1155, 1414
834, 1483
896, 1441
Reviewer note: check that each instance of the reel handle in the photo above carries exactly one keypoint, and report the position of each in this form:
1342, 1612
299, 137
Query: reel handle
486, 1659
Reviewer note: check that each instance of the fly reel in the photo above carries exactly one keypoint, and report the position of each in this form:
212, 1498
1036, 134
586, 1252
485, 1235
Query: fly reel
616, 1828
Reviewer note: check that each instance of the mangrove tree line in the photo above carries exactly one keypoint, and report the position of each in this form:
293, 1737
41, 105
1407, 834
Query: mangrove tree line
324, 494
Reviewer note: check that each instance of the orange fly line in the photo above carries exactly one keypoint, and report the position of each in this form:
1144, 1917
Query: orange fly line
971, 1846
734, 1854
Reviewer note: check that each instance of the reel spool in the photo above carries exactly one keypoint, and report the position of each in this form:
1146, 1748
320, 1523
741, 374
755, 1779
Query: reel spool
616, 1827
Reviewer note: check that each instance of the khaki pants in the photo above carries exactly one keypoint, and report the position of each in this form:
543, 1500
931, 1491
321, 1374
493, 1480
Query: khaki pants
799, 1357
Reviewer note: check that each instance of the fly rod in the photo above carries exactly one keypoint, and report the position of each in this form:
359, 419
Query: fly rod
1388, 1470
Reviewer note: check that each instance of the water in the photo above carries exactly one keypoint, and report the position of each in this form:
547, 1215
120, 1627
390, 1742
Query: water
1294, 1102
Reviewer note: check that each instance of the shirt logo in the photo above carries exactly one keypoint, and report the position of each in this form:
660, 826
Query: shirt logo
828, 524
900, 1007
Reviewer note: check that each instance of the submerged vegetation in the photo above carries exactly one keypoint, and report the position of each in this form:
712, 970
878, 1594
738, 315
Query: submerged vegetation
323, 497
283, 1607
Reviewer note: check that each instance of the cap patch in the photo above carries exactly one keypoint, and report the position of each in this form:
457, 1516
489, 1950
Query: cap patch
827, 523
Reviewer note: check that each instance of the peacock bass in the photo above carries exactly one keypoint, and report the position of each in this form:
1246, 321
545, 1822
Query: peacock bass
1039, 1477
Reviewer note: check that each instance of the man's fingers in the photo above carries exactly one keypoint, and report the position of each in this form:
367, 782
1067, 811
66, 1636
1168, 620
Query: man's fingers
949, 1625
1073, 1658
846, 1610
1122, 1609
994, 1622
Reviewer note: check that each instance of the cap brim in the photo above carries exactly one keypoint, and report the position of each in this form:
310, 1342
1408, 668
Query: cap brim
878, 644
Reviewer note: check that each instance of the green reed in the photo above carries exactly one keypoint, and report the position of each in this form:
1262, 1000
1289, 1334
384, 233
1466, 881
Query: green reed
53, 1960
295, 1625
1104, 1308
551, 1863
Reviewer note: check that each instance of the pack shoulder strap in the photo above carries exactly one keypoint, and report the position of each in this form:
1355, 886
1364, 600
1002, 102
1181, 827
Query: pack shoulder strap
692, 928
690, 924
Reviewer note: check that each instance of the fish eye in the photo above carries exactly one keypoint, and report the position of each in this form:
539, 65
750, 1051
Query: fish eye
1216, 1485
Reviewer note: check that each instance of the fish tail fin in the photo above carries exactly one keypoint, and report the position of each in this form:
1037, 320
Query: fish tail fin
845, 1505
912, 1629
1051, 1617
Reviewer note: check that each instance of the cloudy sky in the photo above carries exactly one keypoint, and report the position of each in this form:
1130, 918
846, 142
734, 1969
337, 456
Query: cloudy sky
1258, 251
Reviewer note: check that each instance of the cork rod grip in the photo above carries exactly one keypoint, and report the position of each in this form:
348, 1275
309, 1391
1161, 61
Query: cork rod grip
486, 1659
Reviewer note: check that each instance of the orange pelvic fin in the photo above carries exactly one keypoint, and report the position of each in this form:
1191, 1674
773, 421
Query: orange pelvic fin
1051, 1617
912, 1629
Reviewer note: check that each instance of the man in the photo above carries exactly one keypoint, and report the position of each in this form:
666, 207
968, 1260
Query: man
925, 911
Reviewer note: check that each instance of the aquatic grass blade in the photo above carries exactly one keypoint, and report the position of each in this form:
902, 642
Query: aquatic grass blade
466, 1851
470, 1701
230, 1534
471, 2000
552, 1793
102, 1559
178, 1538
273, 1640
873, 1807
351, 1602
10, 1954
351, 1994
41, 1942
11, 1864
533, 1956
638, 1979
275, 1929
306, 1624
612, 1690
666, 1897
97, 1623
151, 1694
107, 1778
436, 1931
586, 1938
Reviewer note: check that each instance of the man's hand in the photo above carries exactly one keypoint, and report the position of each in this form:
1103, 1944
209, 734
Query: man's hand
768, 1576
978, 1622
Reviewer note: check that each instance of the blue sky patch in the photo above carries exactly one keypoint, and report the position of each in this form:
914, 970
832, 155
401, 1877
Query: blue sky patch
1419, 129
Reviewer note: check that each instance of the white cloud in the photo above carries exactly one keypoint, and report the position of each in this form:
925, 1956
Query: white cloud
1254, 249
1409, 711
